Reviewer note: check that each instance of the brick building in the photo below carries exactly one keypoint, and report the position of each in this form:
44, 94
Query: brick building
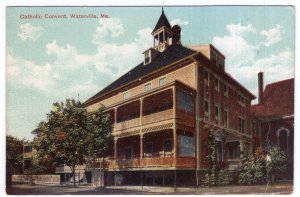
164, 108
273, 123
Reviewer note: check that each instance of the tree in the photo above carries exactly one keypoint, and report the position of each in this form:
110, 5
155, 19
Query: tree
14, 157
99, 135
69, 135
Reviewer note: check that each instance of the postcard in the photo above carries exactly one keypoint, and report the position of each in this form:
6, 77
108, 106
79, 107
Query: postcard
150, 100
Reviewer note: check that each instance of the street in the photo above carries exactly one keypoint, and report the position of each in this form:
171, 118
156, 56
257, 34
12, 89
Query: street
25, 189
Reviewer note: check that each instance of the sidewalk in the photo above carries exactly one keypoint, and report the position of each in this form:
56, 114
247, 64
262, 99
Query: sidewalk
277, 188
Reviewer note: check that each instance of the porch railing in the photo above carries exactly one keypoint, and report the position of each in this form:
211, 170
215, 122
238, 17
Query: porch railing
159, 116
127, 124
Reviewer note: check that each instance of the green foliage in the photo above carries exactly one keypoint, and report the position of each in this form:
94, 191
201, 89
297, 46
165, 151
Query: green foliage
70, 134
277, 164
258, 168
14, 154
14, 158
223, 177
218, 171
99, 125
252, 172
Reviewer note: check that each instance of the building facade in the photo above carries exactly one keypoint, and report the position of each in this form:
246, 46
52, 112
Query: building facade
165, 108
273, 122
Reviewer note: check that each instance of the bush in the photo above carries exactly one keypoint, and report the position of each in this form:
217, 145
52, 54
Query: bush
277, 164
262, 166
252, 172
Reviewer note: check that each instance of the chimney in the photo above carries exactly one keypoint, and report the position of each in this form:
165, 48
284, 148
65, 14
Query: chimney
260, 87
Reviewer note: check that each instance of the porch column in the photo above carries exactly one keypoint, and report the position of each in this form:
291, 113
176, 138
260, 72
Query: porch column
115, 147
174, 127
141, 146
141, 133
115, 115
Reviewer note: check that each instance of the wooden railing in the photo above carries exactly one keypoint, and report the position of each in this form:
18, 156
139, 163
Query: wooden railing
159, 116
158, 162
162, 162
186, 162
127, 124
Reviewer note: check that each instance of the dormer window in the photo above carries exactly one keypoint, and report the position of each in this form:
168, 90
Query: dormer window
150, 55
147, 57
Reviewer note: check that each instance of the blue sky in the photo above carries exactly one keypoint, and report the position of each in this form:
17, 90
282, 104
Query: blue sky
49, 60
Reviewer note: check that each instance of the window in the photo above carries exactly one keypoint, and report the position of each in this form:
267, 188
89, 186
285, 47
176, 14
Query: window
241, 125
225, 90
214, 61
187, 146
168, 145
206, 77
125, 95
148, 87
129, 152
216, 84
162, 81
206, 113
226, 118
147, 57
241, 100
185, 102
217, 113
233, 150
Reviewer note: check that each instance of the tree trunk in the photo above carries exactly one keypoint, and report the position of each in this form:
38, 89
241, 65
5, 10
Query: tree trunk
93, 175
73, 171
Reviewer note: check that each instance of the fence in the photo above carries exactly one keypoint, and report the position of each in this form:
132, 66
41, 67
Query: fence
37, 179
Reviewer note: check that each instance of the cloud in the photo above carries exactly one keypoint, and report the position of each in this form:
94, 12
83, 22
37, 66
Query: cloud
27, 73
73, 72
239, 30
30, 32
109, 26
242, 60
236, 48
272, 35
179, 22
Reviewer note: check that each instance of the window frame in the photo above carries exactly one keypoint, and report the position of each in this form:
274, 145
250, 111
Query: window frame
126, 95
149, 84
162, 78
242, 125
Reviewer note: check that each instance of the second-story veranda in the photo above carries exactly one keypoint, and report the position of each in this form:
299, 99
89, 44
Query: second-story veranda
154, 129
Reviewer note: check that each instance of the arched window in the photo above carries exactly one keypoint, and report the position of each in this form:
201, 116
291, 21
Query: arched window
283, 135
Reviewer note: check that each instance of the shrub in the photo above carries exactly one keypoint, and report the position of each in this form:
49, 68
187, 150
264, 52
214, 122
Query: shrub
260, 167
223, 177
252, 172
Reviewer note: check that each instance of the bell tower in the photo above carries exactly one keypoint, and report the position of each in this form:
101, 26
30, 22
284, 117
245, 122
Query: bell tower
162, 33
